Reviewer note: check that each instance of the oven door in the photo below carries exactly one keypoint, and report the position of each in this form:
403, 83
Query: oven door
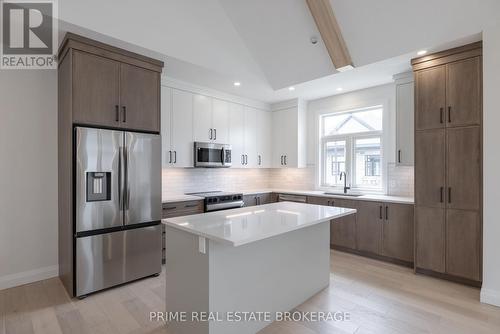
211, 155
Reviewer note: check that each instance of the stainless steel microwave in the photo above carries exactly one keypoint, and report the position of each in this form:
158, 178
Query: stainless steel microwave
212, 155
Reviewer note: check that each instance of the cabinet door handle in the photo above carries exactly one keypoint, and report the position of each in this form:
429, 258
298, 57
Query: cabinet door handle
210, 134
285, 160
441, 115
399, 156
380, 212
449, 194
449, 114
117, 113
386, 212
442, 194
215, 134
124, 119
175, 157
282, 160
333, 203
242, 160
260, 160
246, 159
169, 157
328, 203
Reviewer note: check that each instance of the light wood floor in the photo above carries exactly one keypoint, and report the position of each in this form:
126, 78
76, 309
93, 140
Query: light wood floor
380, 297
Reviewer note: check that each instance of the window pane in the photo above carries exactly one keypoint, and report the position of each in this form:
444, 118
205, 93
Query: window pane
335, 158
353, 122
368, 164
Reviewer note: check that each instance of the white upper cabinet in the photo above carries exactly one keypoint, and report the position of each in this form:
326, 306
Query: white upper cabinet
289, 140
251, 160
237, 134
188, 117
176, 128
211, 119
166, 126
182, 129
220, 121
264, 149
202, 118
404, 119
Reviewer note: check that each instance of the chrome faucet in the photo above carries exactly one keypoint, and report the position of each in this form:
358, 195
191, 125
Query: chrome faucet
345, 182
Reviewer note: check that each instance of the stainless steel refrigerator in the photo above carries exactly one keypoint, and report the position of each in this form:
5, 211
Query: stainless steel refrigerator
117, 208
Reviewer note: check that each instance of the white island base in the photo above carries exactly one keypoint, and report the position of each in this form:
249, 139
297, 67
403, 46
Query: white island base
249, 271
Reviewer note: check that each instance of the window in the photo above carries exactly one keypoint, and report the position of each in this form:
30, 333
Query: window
351, 142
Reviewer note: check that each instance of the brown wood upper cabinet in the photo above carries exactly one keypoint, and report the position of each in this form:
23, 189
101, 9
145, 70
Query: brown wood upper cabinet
449, 95
463, 92
430, 98
96, 90
112, 87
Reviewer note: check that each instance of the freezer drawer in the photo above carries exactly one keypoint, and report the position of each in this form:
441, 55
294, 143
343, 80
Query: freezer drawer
105, 260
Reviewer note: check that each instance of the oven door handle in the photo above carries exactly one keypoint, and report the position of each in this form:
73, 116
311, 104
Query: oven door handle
223, 156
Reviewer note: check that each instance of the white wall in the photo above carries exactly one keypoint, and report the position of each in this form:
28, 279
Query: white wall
385, 95
490, 292
28, 176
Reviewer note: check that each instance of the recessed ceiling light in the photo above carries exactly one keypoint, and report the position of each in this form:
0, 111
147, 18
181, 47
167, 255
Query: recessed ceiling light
340, 89
237, 83
421, 52
291, 88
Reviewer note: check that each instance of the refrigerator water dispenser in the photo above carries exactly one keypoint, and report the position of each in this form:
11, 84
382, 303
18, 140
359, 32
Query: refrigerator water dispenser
98, 186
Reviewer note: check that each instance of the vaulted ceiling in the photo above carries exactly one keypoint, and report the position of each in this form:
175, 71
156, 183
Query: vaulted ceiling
266, 45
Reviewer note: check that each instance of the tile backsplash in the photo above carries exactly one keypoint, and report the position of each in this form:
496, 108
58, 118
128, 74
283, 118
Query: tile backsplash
177, 181
400, 180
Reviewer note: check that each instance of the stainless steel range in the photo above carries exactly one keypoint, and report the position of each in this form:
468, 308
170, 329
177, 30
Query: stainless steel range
219, 200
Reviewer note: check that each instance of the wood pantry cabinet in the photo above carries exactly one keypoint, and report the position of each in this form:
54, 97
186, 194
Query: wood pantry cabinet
448, 164
111, 87
98, 86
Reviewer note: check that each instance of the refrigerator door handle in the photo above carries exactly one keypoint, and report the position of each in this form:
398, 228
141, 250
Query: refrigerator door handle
126, 190
120, 178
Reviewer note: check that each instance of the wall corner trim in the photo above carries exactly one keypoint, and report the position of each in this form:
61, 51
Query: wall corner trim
30, 276
491, 297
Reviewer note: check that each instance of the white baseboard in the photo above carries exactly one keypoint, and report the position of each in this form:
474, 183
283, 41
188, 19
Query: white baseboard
25, 277
491, 297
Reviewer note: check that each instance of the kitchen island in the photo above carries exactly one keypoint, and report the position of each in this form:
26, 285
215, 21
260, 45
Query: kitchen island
260, 260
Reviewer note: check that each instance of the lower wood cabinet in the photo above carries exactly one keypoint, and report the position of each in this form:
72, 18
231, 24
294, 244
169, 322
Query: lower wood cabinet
342, 230
369, 226
463, 244
258, 199
397, 232
379, 229
178, 209
430, 238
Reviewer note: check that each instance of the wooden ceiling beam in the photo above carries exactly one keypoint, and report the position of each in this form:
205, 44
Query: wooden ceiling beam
329, 29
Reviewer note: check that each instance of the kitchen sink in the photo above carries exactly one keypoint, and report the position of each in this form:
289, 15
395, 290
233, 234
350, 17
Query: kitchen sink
342, 194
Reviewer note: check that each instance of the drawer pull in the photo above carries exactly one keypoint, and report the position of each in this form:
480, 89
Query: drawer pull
170, 208
191, 205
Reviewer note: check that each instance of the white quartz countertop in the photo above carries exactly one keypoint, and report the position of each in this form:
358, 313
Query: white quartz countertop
321, 193
180, 198
241, 226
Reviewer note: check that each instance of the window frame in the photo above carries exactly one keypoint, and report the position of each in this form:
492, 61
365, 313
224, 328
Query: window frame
350, 140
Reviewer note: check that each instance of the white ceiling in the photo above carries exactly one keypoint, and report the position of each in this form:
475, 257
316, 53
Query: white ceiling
266, 44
